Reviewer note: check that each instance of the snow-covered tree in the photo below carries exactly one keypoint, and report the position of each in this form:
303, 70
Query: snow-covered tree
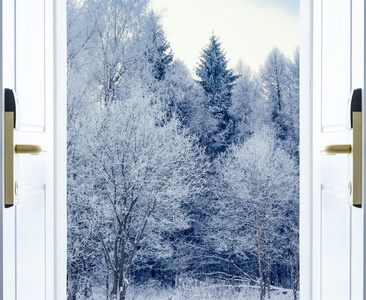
273, 80
142, 200
257, 202
243, 100
81, 30
144, 173
292, 107
115, 48
157, 51
217, 81
195, 115
279, 82
170, 92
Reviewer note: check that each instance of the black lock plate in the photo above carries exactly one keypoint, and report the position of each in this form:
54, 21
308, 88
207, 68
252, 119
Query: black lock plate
354, 104
12, 105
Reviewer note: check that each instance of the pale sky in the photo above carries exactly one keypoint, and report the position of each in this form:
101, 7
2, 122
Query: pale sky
248, 29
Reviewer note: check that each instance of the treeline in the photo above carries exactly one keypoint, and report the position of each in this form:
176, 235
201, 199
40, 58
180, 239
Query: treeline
174, 176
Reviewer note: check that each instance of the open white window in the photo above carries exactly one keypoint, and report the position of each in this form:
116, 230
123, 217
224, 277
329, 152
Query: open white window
33, 232
331, 230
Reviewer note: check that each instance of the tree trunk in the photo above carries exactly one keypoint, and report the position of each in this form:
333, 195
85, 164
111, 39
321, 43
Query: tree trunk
258, 240
115, 282
107, 280
268, 279
123, 292
295, 275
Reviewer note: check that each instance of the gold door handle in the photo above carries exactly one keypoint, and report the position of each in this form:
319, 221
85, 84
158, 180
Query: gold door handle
354, 153
337, 149
29, 149
12, 150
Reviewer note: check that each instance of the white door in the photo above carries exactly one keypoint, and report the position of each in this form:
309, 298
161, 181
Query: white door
29, 229
338, 67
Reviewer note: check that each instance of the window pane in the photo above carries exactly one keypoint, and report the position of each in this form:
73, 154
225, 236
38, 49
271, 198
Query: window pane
183, 160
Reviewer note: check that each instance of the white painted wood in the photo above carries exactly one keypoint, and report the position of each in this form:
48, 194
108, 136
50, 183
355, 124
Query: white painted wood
332, 67
7, 232
30, 223
60, 121
30, 48
33, 61
358, 79
335, 244
316, 79
34, 215
332, 232
8, 216
306, 148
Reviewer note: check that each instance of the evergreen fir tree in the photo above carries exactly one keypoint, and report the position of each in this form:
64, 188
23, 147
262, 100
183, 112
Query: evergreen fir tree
159, 54
217, 81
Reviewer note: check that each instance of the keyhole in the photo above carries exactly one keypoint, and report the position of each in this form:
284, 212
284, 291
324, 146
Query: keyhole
350, 188
16, 187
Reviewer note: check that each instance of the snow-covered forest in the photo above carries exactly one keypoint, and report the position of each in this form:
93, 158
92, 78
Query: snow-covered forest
180, 185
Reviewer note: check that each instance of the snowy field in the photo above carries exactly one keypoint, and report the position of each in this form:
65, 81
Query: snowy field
193, 290
204, 294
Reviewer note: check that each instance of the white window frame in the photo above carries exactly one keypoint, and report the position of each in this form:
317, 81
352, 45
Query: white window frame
60, 154
306, 147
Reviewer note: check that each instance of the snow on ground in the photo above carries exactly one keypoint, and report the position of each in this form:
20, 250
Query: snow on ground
204, 294
194, 290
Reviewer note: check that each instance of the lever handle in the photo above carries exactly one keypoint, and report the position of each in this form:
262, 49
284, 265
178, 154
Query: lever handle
337, 149
29, 149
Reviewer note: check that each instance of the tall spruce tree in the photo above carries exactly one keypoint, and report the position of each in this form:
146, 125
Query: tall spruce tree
217, 81
158, 51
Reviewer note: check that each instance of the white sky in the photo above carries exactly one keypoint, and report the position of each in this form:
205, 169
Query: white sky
248, 29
